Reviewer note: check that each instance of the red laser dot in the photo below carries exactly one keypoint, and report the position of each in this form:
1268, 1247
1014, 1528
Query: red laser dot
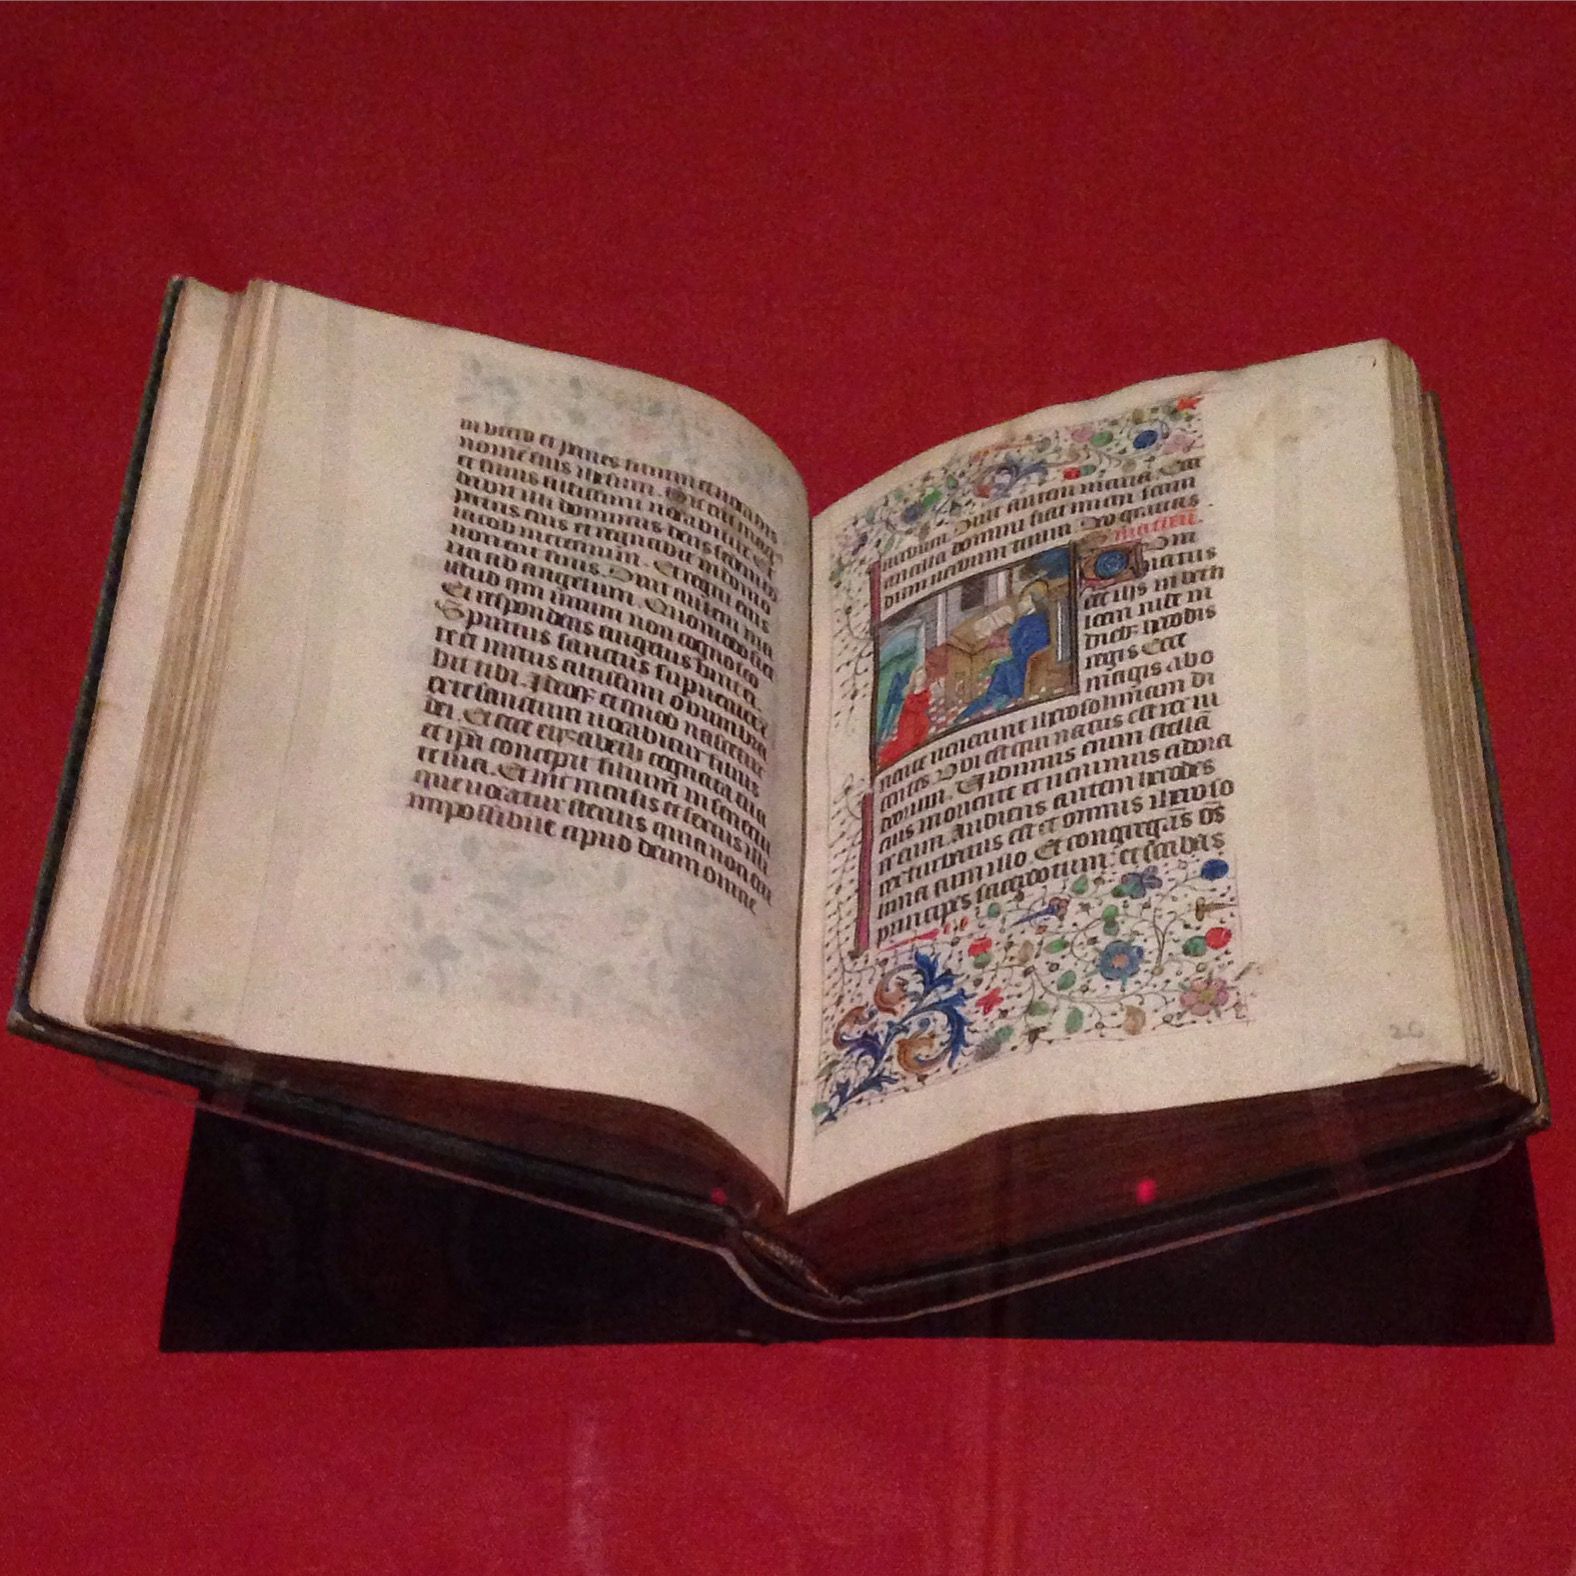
1145, 1191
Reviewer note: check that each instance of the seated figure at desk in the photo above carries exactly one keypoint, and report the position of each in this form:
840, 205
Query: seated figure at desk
1029, 633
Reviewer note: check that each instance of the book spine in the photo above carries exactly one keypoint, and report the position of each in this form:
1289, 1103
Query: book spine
21, 1009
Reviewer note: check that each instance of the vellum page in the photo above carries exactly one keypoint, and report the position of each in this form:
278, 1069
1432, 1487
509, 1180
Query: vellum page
1120, 799
507, 743
125, 687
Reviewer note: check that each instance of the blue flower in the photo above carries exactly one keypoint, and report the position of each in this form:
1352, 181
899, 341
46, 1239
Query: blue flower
1120, 960
1139, 882
1214, 869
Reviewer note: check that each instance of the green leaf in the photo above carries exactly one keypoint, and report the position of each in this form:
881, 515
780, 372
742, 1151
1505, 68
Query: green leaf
1037, 1008
1080, 886
820, 1108
1074, 1020
1058, 945
993, 911
1110, 927
1004, 1033
1110, 913
1067, 981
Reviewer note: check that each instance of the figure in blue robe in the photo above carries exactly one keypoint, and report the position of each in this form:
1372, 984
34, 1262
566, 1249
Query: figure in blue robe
1009, 679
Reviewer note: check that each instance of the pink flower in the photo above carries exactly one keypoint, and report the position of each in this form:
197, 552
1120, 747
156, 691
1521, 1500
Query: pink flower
1205, 996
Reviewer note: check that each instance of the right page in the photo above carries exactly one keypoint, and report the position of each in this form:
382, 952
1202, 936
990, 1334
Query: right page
1117, 791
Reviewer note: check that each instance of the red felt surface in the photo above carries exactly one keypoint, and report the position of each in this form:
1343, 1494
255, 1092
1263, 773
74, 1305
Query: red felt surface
868, 229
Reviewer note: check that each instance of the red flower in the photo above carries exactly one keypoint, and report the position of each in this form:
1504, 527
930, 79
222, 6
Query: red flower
990, 1001
1218, 937
1188, 402
980, 945
1072, 473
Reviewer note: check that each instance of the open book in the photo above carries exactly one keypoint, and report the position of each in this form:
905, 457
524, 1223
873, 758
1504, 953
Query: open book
1082, 830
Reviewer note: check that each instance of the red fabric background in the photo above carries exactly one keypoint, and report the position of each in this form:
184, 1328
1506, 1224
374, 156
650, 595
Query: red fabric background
868, 229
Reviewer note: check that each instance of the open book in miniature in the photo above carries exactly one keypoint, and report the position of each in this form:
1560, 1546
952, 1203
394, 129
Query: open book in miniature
1078, 839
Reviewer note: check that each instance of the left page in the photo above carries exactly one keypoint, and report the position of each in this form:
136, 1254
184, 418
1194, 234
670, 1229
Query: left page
503, 775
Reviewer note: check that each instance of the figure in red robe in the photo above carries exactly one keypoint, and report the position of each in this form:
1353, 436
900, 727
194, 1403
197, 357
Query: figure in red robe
913, 721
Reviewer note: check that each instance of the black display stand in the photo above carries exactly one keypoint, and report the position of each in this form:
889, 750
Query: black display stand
285, 1244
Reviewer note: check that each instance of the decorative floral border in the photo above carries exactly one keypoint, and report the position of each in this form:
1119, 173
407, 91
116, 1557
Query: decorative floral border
908, 514
1102, 959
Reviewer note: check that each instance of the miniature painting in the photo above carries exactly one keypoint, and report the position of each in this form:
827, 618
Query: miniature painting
974, 650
